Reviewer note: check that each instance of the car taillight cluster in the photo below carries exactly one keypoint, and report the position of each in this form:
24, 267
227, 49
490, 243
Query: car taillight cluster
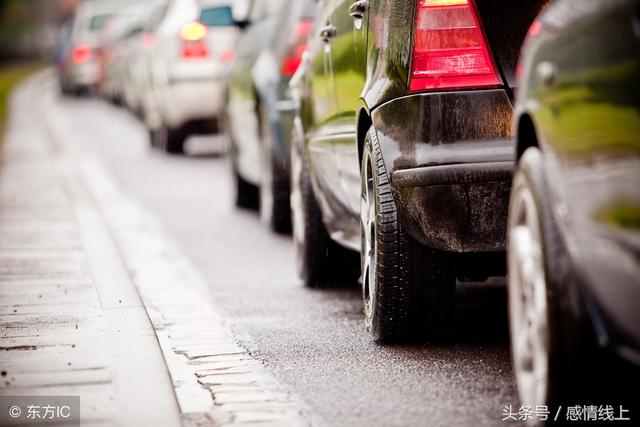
293, 59
193, 41
450, 50
81, 54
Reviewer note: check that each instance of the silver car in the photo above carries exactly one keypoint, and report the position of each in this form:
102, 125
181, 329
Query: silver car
79, 68
194, 45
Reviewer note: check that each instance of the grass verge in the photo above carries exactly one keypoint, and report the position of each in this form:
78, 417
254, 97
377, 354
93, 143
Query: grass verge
10, 76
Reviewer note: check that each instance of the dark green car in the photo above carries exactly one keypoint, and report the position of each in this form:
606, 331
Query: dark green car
574, 227
403, 151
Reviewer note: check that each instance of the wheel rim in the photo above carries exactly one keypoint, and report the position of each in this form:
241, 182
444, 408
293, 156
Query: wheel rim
297, 214
266, 185
528, 300
368, 241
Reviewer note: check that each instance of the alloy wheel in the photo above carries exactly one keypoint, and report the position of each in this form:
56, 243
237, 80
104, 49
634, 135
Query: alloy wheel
368, 240
528, 299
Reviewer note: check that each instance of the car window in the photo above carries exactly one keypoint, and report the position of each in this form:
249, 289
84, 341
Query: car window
221, 16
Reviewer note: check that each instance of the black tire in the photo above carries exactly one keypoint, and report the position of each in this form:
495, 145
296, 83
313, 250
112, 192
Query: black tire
156, 138
275, 190
170, 141
174, 143
571, 348
408, 289
321, 262
247, 195
275, 206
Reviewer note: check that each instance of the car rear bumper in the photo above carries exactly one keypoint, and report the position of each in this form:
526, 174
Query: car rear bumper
450, 159
85, 75
461, 207
193, 100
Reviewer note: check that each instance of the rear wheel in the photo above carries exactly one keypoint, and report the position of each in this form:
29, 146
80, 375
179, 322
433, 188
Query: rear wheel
321, 262
408, 289
246, 194
174, 142
169, 140
275, 206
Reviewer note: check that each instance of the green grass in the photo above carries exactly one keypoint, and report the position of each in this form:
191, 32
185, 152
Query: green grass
10, 76
623, 215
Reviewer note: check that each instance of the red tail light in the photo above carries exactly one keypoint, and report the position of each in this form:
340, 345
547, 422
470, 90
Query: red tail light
81, 54
148, 40
450, 50
293, 59
192, 36
228, 55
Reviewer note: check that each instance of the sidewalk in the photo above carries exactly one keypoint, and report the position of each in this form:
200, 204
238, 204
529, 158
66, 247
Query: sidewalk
97, 301
71, 320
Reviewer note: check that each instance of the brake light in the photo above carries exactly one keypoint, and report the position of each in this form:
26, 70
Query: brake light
81, 54
228, 56
148, 40
294, 57
449, 49
193, 31
192, 36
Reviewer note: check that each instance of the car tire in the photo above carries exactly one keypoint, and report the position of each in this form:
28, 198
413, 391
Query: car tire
408, 289
321, 262
554, 348
168, 140
156, 138
174, 141
246, 194
275, 206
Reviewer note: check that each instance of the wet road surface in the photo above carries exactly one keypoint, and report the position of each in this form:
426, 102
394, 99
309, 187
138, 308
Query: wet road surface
313, 341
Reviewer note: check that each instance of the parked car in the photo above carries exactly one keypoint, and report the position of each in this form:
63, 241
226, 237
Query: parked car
574, 223
77, 65
403, 151
115, 42
194, 44
142, 41
260, 108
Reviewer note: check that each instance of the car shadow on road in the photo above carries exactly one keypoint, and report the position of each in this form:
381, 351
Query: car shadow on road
480, 316
481, 313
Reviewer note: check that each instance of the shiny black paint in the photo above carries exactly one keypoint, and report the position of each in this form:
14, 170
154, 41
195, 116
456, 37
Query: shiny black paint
432, 130
580, 103
359, 78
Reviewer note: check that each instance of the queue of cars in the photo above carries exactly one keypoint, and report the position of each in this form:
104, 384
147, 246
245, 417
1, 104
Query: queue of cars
167, 60
413, 144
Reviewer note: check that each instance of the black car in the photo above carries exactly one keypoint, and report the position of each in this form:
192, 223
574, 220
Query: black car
574, 226
403, 151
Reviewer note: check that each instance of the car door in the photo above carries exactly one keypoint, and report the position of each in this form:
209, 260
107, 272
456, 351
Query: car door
348, 59
591, 107
590, 116
319, 133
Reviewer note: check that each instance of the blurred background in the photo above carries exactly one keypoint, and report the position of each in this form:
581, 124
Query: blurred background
29, 28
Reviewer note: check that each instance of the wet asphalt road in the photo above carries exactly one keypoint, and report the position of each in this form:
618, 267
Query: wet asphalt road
313, 341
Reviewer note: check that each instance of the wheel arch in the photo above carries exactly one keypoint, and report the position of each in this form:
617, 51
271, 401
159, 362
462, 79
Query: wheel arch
363, 124
526, 135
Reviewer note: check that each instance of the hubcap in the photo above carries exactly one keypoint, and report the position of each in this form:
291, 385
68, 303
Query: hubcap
297, 214
266, 186
368, 240
528, 300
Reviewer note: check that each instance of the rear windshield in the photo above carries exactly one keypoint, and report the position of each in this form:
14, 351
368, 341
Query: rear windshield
97, 22
221, 16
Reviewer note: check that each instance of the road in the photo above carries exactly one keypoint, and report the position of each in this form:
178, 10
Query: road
312, 341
